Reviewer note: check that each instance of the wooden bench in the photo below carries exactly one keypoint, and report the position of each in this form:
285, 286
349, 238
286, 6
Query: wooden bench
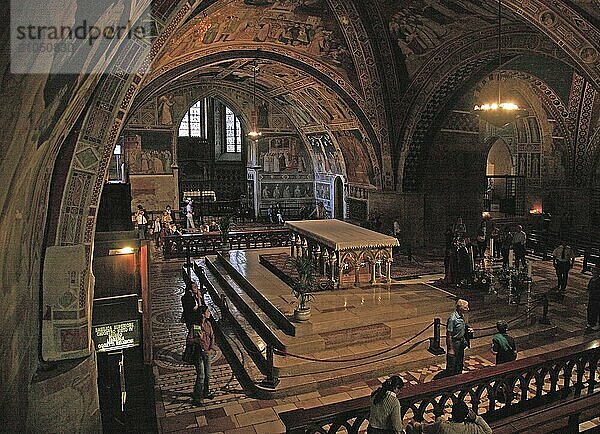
564, 416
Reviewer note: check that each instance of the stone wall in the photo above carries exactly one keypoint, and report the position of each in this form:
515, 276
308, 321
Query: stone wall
408, 208
454, 184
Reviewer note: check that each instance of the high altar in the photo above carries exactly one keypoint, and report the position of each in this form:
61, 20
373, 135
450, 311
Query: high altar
348, 254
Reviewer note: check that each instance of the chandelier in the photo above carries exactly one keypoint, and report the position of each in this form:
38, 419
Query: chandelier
254, 134
498, 113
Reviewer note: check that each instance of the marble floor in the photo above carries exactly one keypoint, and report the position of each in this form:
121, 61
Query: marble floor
233, 412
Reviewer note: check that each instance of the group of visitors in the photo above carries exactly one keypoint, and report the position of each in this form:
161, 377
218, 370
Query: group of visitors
461, 253
160, 227
385, 415
275, 214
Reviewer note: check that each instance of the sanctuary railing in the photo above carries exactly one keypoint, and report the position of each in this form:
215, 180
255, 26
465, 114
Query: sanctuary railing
190, 245
521, 385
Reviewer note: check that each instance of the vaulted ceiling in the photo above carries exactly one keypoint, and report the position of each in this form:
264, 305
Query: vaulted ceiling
388, 68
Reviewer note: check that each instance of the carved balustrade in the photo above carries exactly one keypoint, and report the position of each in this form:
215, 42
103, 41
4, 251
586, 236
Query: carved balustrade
522, 385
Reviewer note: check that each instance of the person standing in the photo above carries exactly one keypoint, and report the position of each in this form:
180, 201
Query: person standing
201, 334
494, 241
385, 416
156, 228
563, 259
142, 222
506, 240
593, 308
191, 301
481, 239
167, 217
189, 212
458, 335
519, 243
503, 344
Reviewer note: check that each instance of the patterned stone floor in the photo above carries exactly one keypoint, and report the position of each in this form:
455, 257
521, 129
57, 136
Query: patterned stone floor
232, 412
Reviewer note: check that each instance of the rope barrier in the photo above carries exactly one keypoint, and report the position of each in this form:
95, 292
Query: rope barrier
527, 312
355, 359
359, 364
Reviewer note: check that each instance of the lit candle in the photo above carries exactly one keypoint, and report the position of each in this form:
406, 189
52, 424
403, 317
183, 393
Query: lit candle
491, 254
511, 258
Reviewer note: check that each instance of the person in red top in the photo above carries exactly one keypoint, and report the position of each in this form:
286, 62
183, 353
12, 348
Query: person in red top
201, 334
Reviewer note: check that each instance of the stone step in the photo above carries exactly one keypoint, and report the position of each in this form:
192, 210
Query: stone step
303, 378
484, 331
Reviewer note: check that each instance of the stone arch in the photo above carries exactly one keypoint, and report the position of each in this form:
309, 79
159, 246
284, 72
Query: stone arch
346, 93
432, 90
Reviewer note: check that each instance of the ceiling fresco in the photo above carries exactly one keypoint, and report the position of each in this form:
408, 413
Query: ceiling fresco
419, 27
302, 26
305, 46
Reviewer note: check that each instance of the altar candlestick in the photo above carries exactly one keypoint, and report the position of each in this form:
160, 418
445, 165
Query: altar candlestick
472, 259
511, 258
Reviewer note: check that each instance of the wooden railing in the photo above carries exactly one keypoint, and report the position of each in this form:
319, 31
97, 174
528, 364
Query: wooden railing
530, 382
584, 243
180, 246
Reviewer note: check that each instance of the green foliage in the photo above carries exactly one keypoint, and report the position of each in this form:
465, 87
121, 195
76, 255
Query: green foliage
225, 226
306, 282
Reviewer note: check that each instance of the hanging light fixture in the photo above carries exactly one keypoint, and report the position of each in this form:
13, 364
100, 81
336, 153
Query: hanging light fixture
254, 134
498, 113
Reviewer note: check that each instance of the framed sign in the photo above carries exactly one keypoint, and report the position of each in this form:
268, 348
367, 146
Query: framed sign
116, 336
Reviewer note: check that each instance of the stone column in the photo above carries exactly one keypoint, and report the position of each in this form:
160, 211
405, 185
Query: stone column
304, 247
388, 270
373, 272
357, 274
298, 245
325, 258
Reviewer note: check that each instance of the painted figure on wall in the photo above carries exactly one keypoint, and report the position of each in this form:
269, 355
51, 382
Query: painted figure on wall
287, 191
303, 25
140, 162
281, 154
325, 154
165, 110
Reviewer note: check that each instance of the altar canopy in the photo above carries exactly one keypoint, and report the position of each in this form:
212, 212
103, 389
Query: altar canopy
343, 251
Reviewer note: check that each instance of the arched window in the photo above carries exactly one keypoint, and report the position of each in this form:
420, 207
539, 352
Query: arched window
233, 132
195, 121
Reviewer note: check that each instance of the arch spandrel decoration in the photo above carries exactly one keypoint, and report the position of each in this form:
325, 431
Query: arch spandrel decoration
71, 338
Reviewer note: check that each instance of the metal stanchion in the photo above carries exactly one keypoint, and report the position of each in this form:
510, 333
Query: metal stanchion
434, 342
272, 379
544, 319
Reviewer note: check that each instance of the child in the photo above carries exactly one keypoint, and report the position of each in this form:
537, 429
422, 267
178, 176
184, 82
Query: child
503, 345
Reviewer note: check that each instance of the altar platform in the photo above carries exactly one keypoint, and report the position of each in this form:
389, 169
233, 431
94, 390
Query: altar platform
348, 254
353, 333
306, 384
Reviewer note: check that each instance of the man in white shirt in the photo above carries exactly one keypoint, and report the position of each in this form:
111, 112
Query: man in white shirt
189, 212
563, 258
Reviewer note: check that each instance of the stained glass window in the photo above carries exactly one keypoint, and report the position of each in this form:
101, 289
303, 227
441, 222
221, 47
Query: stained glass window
195, 121
233, 132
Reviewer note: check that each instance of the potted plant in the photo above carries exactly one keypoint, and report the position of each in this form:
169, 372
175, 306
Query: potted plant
303, 286
224, 227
